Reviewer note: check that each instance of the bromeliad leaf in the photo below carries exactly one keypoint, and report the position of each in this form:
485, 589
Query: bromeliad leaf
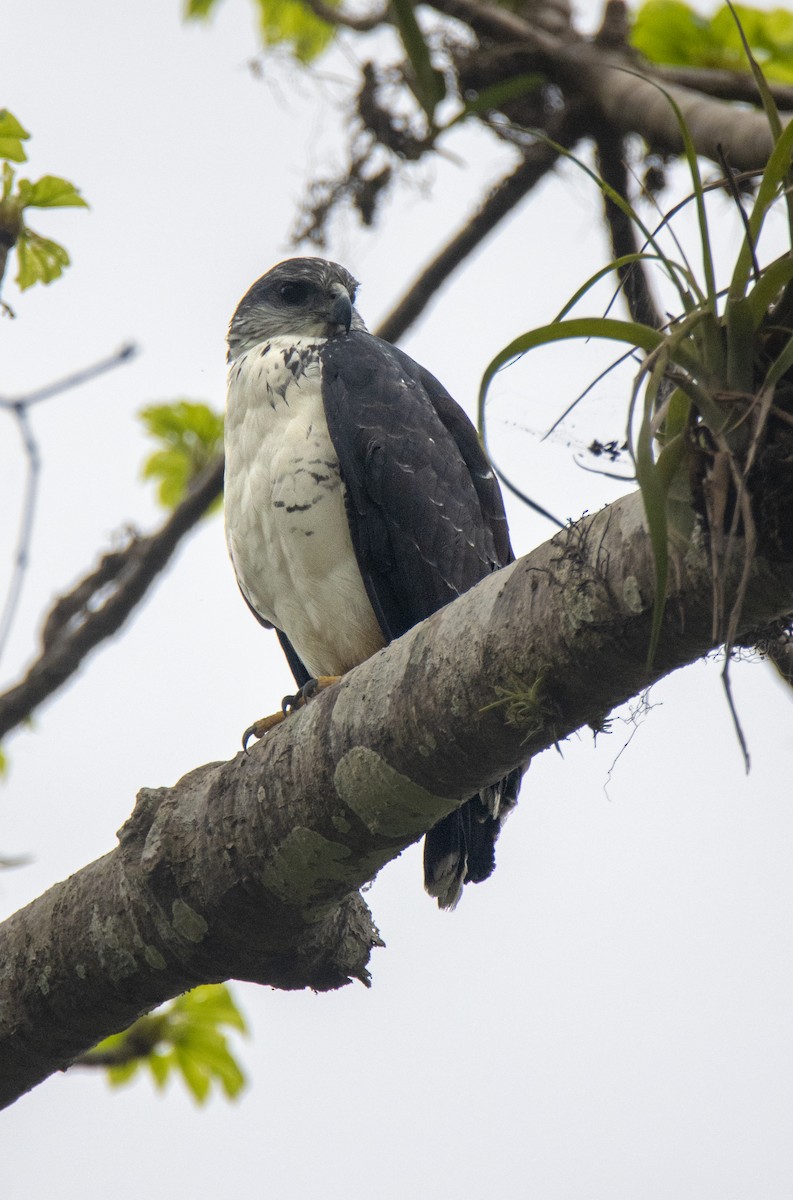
642, 336
428, 83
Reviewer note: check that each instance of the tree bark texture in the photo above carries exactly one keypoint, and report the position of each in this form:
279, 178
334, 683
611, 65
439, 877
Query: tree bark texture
625, 90
251, 868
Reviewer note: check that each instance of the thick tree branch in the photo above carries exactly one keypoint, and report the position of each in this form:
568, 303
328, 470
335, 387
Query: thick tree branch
250, 868
623, 89
724, 85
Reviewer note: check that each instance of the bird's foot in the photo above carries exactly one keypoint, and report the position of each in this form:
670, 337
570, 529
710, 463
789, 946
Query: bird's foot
289, 704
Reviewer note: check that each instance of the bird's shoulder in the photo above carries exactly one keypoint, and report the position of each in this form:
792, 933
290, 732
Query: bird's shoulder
382, 404
422, 504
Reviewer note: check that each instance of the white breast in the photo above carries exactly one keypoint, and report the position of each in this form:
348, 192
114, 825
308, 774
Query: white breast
286, 524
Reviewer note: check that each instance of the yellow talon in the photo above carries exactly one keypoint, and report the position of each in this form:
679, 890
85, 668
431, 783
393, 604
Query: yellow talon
289, 705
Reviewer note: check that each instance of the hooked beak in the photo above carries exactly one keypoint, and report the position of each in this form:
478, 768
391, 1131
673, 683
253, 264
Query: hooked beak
340, 311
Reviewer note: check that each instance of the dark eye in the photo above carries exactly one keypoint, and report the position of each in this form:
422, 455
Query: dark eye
294, 292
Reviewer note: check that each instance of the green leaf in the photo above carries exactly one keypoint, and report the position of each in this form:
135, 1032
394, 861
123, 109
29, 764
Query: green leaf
183, 1037
642, 336
769, 104
654, 486
428, 83
12, 135
183, 419
212, 1004
776, 171
3, 763
289, 21
773, 279
194, 1073
280, 21
40, 259
160, 1066
8, 181
50, 192
782, 365
668, 31
191, 436
699, 195
616, 265
650, 237
769, 36
226, 1070
199, 9
123, 1073
173, 469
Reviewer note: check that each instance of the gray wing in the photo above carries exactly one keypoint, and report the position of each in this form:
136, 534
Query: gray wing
427, 522
426, 516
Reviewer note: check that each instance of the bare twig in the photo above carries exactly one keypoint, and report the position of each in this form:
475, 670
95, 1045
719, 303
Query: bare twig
635, 284
19, 406
139, 1040
142, 561
25, 524
503, 198
86, 375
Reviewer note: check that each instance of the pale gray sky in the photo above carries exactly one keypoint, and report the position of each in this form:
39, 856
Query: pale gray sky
610, 1016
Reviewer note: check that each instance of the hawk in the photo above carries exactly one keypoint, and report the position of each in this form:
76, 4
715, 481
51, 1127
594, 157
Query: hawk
358, 502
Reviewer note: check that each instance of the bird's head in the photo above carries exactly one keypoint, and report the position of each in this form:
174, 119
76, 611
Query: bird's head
301, 297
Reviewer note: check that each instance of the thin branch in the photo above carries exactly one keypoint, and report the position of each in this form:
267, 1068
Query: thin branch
610, 149
133, 571
86, 375
731, 186
519, 495
489, 20
721, 85
139, 1040
21, 554
19, 406
537, 161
